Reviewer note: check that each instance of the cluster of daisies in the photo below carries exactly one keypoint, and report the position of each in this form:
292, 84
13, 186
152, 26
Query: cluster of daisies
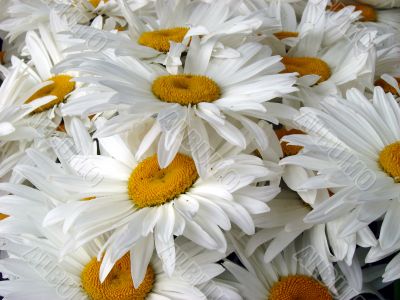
199, 149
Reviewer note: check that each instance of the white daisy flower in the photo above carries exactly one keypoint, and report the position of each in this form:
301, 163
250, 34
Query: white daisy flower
24, 98
358, 161
370, 14
284, 222
387, 70
332, 26
214, 94
327, 51
178, 21
47, 90
296, 273
164, 35
43, 153
122, 193
21, 16
35, 272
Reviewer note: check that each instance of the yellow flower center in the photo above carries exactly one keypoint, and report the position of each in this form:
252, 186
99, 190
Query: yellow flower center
368, 13
159, 39
387, 87
185, 89
389, 159
299, 287
118, 285
61, 87
288, 149
285, 34
307, 66
3, 216
121, 28
149, 185
96, 3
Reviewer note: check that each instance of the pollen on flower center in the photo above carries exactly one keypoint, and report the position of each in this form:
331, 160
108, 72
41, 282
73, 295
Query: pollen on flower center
288, 149
61, 87
285, 34
185, 89
389, 159
118, 285
299, 287
307, 66
149, 185
159, 39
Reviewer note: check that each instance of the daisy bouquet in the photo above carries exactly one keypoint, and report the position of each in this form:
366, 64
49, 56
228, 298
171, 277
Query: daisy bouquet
199, 149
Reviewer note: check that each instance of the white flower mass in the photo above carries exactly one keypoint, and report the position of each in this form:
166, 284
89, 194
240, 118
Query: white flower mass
199, 149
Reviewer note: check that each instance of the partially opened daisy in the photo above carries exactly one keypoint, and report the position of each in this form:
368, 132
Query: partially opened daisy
213, 94
358, 160
35, 271
143, 206
296, 273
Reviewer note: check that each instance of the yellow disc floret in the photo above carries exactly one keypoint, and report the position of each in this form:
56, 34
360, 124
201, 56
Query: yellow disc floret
387, 87
389, 159
286, 148
149, 185
285, 34
307, 66
299, 287
61, 87
368, 13
118, 285
185, 89
159, 39
2, 55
